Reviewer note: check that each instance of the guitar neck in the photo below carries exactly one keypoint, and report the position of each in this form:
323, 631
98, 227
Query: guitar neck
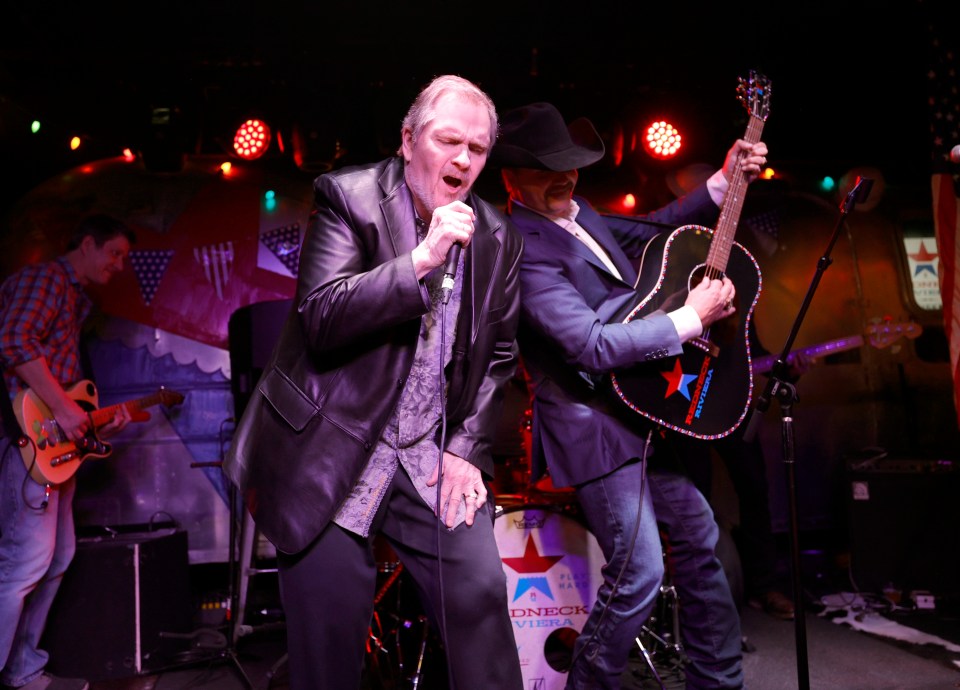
719, 254
764, 364
103, 415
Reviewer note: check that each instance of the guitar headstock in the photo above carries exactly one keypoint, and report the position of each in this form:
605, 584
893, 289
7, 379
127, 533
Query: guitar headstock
169, 397
885, 333
754, 92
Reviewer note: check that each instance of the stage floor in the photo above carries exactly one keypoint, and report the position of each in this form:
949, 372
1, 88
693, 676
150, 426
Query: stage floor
837, 656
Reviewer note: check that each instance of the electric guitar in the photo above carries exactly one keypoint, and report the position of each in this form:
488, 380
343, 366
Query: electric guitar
52, 458
705, 391
880, 335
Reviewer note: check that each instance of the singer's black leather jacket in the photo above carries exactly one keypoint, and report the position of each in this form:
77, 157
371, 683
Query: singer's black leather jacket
348, 344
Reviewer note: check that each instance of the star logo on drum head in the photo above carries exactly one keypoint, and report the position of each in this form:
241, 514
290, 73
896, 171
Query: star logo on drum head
532, 561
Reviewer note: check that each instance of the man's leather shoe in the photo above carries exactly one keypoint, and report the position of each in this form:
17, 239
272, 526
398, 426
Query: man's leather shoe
774, 603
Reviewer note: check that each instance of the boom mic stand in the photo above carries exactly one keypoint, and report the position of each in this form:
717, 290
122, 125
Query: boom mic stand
786, 394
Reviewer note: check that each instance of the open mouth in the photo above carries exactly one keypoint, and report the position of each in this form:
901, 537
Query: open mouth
454, 182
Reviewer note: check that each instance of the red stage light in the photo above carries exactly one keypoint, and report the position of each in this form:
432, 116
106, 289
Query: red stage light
252, 139
662, 140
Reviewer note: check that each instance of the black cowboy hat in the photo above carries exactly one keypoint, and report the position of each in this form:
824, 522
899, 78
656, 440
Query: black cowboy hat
536, 136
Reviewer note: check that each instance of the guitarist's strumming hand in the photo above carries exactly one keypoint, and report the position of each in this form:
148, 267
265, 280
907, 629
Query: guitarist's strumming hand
750, 157
71, 418
712, 299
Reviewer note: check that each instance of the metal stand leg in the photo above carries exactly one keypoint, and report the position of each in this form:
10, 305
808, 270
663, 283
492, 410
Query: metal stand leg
217, 644
659, 640
248, 534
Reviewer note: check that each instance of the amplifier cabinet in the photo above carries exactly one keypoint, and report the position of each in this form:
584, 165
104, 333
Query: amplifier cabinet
117, 597
905, 528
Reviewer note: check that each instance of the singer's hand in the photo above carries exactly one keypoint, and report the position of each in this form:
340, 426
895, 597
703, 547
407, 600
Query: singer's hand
462, 484
449, 224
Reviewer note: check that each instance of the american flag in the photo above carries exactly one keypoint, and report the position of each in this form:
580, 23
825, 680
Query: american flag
945, 131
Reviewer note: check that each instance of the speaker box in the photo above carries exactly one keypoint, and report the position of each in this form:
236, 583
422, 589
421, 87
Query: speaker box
905, 527
253, 331
117, 599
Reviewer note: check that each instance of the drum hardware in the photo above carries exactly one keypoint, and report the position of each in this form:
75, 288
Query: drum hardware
386, 661
659, 641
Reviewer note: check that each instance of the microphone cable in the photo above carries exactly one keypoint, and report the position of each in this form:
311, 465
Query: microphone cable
446, 291
441, 380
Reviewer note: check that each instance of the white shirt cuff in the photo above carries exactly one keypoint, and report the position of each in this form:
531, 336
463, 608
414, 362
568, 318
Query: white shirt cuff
687, 322
717, 186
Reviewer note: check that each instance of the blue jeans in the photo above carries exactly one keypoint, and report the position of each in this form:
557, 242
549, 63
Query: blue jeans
36, 546
710, 623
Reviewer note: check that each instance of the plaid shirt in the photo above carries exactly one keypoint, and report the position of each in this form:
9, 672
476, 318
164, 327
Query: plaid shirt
42, 309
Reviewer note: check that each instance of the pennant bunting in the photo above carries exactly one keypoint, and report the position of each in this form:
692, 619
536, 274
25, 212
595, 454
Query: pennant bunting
284, 242
149, 267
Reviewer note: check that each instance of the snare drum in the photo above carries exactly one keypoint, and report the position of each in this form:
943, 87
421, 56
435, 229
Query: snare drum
552, 563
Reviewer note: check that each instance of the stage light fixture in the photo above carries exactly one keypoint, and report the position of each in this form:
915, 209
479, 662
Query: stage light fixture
662, 140
251, 139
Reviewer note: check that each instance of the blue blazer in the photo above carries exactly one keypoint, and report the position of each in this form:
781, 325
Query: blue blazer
568, 344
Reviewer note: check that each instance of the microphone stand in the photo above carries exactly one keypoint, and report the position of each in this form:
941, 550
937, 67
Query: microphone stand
786, 394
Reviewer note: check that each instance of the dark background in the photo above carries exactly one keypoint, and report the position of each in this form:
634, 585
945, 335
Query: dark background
849, 80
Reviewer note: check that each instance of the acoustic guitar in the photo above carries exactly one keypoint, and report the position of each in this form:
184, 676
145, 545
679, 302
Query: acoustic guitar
705, 391
52, 458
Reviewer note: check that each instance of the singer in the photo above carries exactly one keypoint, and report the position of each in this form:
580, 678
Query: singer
343, 438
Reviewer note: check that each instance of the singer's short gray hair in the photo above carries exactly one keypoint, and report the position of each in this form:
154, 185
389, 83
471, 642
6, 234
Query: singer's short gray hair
423, 109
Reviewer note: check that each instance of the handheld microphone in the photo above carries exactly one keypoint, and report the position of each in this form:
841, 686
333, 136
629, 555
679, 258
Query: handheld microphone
450, 271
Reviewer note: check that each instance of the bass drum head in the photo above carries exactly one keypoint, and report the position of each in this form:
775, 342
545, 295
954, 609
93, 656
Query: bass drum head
552, 563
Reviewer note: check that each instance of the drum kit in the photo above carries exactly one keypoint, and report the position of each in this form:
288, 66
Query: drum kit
552, 564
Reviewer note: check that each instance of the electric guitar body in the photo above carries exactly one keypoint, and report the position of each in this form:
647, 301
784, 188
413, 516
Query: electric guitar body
52, 458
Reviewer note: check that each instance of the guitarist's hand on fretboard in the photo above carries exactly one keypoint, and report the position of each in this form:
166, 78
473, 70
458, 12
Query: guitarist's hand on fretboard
120, 419
750, 157
798, 364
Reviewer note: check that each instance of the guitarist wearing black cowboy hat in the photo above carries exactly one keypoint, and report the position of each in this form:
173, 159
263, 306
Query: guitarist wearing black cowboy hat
576, 276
